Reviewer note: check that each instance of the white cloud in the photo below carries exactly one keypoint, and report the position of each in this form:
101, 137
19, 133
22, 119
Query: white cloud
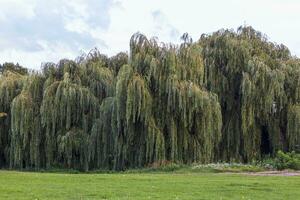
19, 8
36, 58
34, 31
77, 26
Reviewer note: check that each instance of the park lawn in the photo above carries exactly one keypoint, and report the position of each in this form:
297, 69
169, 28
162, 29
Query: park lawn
29, 185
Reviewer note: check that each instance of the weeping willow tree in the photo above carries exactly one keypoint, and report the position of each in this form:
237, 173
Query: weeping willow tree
160, 92
231, 95
292, 85
251, 76
26, 136
160, 110
11, 84
66, 104
134, 121
260, 114
102, 139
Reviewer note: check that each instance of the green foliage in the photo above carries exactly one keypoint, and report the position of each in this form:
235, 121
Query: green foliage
66, 105
98, 78
287, 161
252, 79
26, 125
73, 149
11, 84
293, 126
13, 68
230, 96
102, 139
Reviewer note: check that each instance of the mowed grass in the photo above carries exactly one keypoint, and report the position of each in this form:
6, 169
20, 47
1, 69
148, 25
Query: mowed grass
28, 185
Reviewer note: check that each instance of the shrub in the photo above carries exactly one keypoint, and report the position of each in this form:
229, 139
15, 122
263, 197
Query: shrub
287, 160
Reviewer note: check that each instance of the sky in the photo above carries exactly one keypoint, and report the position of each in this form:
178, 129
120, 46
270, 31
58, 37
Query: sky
36, 31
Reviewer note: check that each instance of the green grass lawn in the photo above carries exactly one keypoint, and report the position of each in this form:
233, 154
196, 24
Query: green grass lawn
27, 185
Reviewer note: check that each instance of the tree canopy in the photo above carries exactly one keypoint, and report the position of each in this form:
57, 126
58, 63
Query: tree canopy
231, 95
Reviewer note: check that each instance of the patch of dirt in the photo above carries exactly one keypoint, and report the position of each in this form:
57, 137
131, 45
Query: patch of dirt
273, 173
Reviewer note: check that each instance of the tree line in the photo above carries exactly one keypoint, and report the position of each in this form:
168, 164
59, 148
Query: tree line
230, 96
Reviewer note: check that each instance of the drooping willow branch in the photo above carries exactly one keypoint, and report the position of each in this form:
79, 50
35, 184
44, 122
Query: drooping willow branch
228, 96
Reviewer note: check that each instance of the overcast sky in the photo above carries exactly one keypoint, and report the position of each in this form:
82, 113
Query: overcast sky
35, 31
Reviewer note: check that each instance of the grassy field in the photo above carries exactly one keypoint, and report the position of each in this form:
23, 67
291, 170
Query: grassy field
28, 185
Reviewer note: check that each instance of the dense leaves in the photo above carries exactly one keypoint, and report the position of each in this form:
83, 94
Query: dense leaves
229, 96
